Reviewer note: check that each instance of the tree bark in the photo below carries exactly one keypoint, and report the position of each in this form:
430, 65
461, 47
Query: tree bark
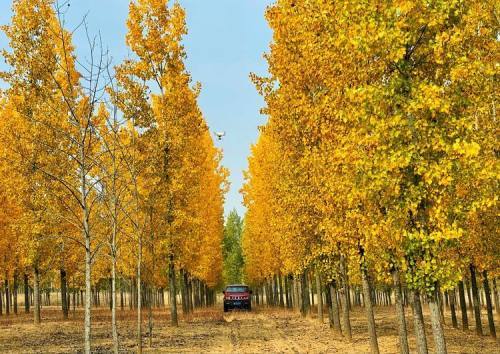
369, 310
345, 298
173, 301
310, 291
475, 297
139, 295
190, 295
437, 327
87, 238
320, 297
335, 307
287, 291
463, 306
469, 295
88, 300
403, 332
305, 294
122, 297
14, 291
282, 301
329, 305
150, 316
36, 295
184, 301
489, 305
296, 294
7, 296
275, 291
495, 295
440, 302
451, 296
114, 327
26, 294
64, 298
418, 320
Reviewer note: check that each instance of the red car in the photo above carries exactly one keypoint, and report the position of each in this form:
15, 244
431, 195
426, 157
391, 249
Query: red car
237, 297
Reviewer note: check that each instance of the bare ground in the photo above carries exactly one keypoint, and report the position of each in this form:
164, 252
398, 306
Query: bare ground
210, 330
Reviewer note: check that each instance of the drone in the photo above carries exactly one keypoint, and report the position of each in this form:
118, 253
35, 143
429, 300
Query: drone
220, 135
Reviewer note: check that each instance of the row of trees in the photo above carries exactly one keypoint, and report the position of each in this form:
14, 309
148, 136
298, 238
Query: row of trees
379, 161
231, 249
108, 172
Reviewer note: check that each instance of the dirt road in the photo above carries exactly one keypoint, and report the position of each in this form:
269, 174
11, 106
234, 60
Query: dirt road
212, 331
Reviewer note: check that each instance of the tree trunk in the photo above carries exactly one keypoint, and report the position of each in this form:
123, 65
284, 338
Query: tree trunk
329, 305
184, 291
88, 299
109, 295
287, 292
26, 294
418, 320
451, 296
320, 297
297, 298
489, 305
305, 294
68, 299
14, 292
173, 301
131, 293
201, 292
139, 295
440, 302
403, 332
114, 328
282, 302
369, 310
437, 327
36, 295
495, 295
64, 298
463, 306
190, 295
311, 290
475, 297
88, 251
122, 297
265, 292
469, 295
275, 291
7, 296
335, 307
150, 317
345, 298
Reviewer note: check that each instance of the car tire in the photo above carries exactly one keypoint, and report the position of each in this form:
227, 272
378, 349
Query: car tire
225, 308
249, 307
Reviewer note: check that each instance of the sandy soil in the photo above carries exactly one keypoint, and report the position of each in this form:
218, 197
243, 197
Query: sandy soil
210, 330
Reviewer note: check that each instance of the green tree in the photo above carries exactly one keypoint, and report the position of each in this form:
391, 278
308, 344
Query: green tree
231, 249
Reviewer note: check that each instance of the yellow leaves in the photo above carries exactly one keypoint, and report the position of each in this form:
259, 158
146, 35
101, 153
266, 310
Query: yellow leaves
467, 149
431, 97
377, 123
155, 32
180, 177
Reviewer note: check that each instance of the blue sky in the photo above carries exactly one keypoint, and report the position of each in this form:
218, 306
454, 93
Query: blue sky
226, 41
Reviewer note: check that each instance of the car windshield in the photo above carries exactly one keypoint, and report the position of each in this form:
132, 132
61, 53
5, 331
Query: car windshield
236, 289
